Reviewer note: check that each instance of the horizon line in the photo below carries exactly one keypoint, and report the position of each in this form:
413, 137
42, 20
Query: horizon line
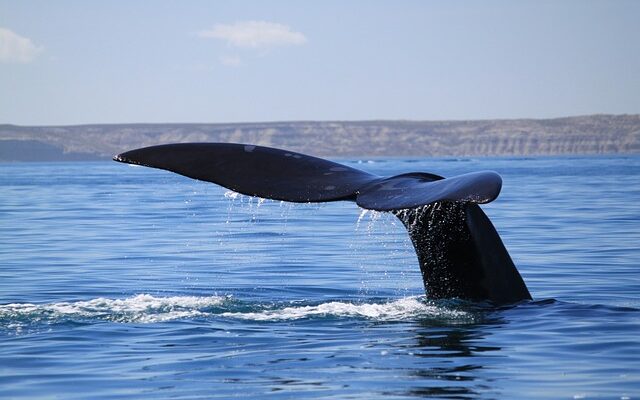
294, 121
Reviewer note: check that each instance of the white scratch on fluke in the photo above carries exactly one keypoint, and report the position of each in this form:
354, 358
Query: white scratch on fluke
249, 148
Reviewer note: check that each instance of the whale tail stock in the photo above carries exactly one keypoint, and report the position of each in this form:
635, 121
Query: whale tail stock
459, 251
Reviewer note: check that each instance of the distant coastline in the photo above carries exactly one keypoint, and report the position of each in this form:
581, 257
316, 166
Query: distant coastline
591, 134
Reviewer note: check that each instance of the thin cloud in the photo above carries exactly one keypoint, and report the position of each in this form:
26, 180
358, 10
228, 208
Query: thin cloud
16, 49
255, 34
230, 61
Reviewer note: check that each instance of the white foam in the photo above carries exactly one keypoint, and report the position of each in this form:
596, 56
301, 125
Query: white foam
143, 308
406, 308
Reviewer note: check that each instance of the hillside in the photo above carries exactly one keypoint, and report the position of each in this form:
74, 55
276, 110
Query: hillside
592, 134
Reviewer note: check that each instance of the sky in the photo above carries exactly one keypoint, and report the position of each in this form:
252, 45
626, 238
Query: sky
77, 62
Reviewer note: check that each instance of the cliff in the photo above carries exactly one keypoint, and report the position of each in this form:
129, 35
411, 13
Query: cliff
593, 134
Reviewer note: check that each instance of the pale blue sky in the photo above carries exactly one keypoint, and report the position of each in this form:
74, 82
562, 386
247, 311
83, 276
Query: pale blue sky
73, 62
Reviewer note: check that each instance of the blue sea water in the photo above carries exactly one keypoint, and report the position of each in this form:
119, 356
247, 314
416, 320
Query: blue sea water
127, 282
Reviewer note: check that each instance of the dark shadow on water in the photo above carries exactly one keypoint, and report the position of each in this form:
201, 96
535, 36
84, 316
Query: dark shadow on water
455, 358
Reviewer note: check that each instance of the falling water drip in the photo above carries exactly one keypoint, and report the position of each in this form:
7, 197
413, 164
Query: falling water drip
363, 213
285, 210
374, 216
232, 197
230, 194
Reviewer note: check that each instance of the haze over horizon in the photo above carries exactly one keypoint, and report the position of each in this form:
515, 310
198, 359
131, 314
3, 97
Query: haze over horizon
72, 62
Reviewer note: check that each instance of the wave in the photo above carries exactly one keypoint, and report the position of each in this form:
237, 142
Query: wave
145, 308
142, 308
402, 309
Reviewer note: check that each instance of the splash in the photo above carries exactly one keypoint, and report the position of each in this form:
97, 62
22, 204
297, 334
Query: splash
406, 308
142, 308
147, 309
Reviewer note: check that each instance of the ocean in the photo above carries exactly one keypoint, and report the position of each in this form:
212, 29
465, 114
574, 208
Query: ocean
121, 282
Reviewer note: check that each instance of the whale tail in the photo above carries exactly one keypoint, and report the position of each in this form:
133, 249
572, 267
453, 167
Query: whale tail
459, 251
461, 255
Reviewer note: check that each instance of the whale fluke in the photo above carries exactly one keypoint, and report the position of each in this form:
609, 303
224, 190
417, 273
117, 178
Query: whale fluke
460, 253
255, 170
418, 188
